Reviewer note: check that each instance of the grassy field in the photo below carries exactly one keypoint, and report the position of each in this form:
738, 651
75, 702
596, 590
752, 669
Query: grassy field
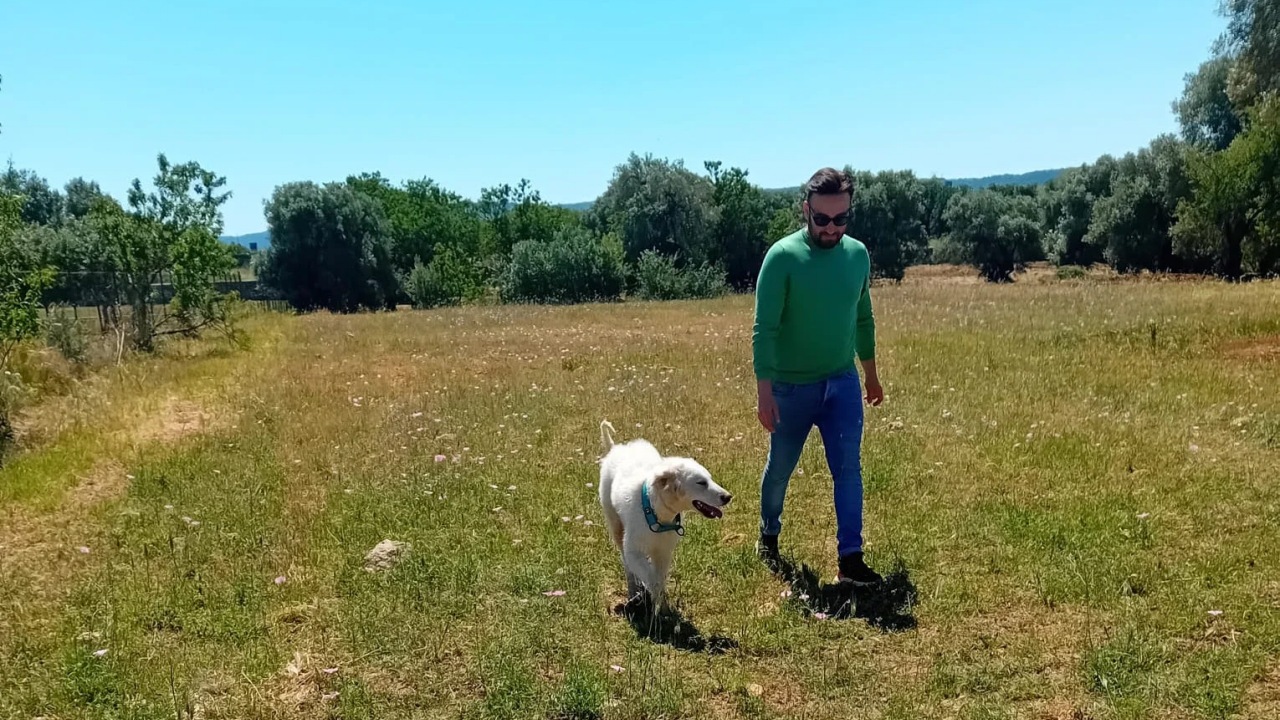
1074, 488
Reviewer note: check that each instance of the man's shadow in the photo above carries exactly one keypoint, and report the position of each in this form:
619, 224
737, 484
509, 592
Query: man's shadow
671, 627
887, 606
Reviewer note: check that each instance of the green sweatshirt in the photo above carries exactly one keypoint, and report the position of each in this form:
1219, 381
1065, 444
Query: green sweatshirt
813, 310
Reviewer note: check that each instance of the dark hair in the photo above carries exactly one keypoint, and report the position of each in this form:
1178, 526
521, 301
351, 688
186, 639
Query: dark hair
828, 181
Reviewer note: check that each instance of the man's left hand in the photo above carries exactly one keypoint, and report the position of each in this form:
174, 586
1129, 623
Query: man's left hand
875, 393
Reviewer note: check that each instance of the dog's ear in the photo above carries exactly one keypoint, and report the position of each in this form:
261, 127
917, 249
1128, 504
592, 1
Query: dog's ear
668, 477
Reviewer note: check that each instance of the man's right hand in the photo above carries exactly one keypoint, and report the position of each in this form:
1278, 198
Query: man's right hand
766, 406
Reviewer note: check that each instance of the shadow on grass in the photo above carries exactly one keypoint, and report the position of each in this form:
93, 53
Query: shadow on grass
887, 606
671, 627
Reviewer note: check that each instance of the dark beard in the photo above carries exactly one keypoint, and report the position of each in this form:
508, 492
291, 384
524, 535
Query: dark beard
817, 239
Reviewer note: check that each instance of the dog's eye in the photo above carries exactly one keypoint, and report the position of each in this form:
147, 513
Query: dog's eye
702, 483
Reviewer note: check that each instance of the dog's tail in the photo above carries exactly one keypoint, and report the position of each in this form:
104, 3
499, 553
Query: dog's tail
606, 434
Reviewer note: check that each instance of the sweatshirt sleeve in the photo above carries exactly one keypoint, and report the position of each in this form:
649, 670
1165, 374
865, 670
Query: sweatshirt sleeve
771, 293
866, 340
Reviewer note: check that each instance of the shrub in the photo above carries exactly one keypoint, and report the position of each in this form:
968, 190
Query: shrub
14, 393
1071, 272
573, 267
65, 333
450, 279
658, 278
945, 250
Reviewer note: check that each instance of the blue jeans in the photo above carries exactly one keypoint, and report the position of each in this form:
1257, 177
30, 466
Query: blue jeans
834, 405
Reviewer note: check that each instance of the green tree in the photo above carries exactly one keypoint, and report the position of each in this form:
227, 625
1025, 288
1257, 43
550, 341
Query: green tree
657, 204
996, 232
1068, 210
1252, 37
330, 248
169, 236
1233, 215
1134, 200
22, 279
41, 204
888, 216
935, 193
86, 266
420, 217
1205, 112
1125, 227
1099, 175
519, 213
740, 236
80, 196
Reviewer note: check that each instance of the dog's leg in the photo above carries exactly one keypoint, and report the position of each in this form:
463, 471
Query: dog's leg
634, 587
661, 571
639, 566
615, 525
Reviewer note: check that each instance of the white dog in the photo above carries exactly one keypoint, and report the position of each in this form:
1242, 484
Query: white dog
644, 495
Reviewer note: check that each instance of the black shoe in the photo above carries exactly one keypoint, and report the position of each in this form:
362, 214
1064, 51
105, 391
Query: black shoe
767, 548
854, 570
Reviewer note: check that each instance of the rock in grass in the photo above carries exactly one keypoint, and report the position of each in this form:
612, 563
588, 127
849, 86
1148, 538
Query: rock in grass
384, 555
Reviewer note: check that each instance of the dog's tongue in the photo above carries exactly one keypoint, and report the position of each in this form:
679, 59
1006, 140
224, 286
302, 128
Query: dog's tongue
707, 510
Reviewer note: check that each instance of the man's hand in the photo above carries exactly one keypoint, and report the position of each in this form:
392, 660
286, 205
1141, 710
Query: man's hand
875, 393
766, 406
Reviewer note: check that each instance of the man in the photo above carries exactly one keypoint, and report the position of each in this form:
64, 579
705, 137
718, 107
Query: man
812, 316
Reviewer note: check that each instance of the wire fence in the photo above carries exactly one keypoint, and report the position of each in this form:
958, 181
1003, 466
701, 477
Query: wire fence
103, 296
103, 318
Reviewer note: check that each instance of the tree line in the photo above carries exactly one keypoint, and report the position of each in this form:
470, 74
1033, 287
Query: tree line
1206, 200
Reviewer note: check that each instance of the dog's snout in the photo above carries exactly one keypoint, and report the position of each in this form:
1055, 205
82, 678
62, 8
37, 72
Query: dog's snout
725, 498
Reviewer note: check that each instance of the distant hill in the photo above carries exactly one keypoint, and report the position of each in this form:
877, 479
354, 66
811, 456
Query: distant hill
1036, 177
262, 239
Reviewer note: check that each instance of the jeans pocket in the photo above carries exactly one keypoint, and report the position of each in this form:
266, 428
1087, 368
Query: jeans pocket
783, 389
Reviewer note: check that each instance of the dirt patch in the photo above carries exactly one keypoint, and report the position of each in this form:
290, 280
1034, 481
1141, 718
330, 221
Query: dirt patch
1262, 698
304, 687
106, 480
1265, 348
42, 555
26, 530
41, 550
175, 419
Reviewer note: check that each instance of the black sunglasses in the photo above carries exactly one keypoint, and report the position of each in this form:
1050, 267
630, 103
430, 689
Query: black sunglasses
821, 220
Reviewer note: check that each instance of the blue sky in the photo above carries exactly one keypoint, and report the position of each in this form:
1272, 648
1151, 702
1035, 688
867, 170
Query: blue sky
479, 93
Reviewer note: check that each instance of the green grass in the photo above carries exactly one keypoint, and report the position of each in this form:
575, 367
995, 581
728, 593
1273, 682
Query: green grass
1066, 479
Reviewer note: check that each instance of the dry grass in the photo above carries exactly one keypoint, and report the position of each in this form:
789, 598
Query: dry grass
1067, 478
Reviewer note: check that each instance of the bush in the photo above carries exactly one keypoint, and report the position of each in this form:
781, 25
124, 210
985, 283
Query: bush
573, 267
13, 393
450, 279
6, 434
946, 251
658, 278
65, 333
